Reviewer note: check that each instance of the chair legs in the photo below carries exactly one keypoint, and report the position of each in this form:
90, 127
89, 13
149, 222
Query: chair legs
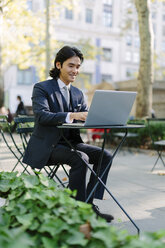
159, 157
51, 172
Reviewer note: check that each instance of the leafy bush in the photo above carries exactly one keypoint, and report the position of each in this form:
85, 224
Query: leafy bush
143, 140
157, 130
38, 214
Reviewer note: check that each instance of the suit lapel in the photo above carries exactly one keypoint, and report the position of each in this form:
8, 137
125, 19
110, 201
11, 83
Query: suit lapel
73, 97
58, 95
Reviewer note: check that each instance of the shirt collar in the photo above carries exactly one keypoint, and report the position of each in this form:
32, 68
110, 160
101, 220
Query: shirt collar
61, 84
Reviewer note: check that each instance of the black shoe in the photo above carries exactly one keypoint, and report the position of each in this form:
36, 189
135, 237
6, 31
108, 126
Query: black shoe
107, 217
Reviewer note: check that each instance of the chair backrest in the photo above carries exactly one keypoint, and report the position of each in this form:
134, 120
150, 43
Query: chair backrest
11, 141
4, 124
25, 124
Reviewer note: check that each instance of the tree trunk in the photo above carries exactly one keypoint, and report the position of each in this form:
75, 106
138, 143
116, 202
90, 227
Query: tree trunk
47, 39
145, 75
1, 76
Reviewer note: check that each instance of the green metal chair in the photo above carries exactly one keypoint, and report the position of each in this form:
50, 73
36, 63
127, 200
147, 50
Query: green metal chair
157, 145
8, 137
25, 126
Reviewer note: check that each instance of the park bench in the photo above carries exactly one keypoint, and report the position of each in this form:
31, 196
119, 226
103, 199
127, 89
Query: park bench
158, 140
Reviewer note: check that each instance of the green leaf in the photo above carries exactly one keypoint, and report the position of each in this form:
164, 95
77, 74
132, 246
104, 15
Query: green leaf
34, 225
4, 218
44, 180
104, 235
49, 242
84, 205
16, 193
30, 181
4, 185
22, 208
16, 183
97, 223
77, 238
26, 219
8, 175
53, 226
15, 238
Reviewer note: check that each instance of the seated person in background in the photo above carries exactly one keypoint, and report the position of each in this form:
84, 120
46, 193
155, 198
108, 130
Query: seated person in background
153, 113
56, 101
9, 116
19, 111
20, 108
3, 110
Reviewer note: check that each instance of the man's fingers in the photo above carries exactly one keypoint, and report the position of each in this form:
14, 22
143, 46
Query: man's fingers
81, 116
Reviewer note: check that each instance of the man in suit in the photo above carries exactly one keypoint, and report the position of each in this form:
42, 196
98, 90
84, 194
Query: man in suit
56, 101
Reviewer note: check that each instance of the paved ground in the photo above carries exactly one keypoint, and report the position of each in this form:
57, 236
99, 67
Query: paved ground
140, 192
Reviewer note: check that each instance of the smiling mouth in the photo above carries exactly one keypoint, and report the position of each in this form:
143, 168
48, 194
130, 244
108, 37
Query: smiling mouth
73, 76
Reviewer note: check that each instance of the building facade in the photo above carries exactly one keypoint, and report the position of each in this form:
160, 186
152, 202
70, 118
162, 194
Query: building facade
111, 26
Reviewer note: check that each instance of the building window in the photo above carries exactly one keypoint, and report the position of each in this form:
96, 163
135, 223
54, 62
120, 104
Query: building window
163, 30
153, 14
68, 14
137, 42
163, 46
130, 73
89, 15
29, 4
109, 2
154, 28
163, 17
107, 15
136, 26
136, 57
25, 77
129, 40
128, 56
107, 54
106, 78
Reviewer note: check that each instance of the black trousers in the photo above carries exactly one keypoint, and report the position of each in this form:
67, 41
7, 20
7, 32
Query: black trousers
77, 174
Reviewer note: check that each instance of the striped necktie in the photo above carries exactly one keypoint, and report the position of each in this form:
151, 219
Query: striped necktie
66, 95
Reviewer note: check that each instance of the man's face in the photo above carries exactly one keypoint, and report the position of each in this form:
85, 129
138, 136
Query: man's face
69, 69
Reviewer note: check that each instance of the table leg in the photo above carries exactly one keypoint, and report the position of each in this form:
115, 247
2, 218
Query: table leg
99, 178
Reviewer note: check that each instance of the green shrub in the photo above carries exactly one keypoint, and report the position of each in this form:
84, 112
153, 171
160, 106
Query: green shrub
157, 130
38, 214
143, 140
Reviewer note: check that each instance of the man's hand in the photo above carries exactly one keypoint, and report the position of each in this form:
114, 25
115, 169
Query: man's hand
79, 116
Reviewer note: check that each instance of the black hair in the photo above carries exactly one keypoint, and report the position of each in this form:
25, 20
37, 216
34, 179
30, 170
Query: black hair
19, 98
63, 54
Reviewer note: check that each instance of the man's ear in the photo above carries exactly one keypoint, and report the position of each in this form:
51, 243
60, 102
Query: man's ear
58, 65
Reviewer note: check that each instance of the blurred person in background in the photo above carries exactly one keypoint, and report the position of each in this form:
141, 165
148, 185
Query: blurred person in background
20, 108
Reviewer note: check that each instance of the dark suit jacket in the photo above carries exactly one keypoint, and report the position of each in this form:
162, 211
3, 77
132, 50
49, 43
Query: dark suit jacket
49, 112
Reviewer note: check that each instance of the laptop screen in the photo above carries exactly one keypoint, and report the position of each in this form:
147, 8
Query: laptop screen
110, 107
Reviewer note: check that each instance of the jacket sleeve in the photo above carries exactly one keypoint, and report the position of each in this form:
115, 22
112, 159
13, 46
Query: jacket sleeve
41, 108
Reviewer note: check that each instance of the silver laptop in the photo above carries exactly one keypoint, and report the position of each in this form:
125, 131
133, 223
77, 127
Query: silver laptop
109, 108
